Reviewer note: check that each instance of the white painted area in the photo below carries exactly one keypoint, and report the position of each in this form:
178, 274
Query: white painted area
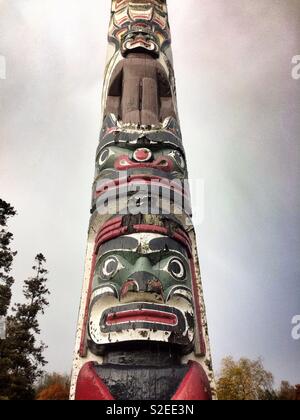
136, 334
78, 361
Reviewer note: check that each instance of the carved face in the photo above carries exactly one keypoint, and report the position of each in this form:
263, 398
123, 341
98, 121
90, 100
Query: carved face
170, 162
142, 291
130, 169
140, 39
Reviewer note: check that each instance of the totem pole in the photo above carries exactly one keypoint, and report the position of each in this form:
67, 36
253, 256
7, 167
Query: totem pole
142, 331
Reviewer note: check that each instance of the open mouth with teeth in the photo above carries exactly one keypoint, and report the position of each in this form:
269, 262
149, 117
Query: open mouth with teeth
140, 42
146, 316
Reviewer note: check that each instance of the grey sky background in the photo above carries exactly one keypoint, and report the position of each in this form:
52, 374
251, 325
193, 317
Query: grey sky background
239, 109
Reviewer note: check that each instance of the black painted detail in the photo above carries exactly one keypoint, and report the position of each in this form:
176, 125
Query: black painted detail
142, 382
126, 243
121, 243
143, 354
127, 348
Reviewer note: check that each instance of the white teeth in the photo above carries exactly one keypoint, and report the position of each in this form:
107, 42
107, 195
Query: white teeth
128, 127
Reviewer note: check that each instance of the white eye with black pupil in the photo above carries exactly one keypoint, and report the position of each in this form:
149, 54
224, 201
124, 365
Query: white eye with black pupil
109, 267
103, 157
177, 269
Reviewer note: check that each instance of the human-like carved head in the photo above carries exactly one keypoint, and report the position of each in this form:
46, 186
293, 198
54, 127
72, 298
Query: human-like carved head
140, 38
142, 290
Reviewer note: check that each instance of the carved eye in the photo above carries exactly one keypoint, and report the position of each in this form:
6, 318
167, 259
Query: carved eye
178, 158
164, 163
177, 269
109, 267
104, 155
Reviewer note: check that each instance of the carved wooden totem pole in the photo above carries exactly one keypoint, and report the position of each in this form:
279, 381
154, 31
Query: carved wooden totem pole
142, 331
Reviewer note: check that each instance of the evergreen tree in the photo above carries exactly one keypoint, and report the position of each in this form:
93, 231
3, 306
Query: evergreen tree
6, 282
6, 258
24, 351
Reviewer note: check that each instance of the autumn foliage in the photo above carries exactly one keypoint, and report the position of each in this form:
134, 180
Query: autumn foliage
247, 379
53, 387
54, 392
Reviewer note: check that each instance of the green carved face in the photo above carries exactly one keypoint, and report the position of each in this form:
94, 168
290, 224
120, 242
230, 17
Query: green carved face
140, 259
142, 289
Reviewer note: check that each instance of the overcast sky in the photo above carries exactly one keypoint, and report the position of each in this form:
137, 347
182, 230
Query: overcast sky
239, 109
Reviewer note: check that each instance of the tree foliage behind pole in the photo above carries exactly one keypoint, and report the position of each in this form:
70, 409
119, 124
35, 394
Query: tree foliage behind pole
6, 282
245, 380
287, 392
53, 387
24, 353
6, 257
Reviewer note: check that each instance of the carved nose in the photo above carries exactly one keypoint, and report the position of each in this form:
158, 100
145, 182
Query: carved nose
154, 286
142, 281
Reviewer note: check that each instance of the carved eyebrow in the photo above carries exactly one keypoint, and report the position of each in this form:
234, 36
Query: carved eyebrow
122, 243
165, 244
129, 244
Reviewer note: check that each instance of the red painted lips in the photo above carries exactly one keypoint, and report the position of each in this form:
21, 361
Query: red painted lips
142, 315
